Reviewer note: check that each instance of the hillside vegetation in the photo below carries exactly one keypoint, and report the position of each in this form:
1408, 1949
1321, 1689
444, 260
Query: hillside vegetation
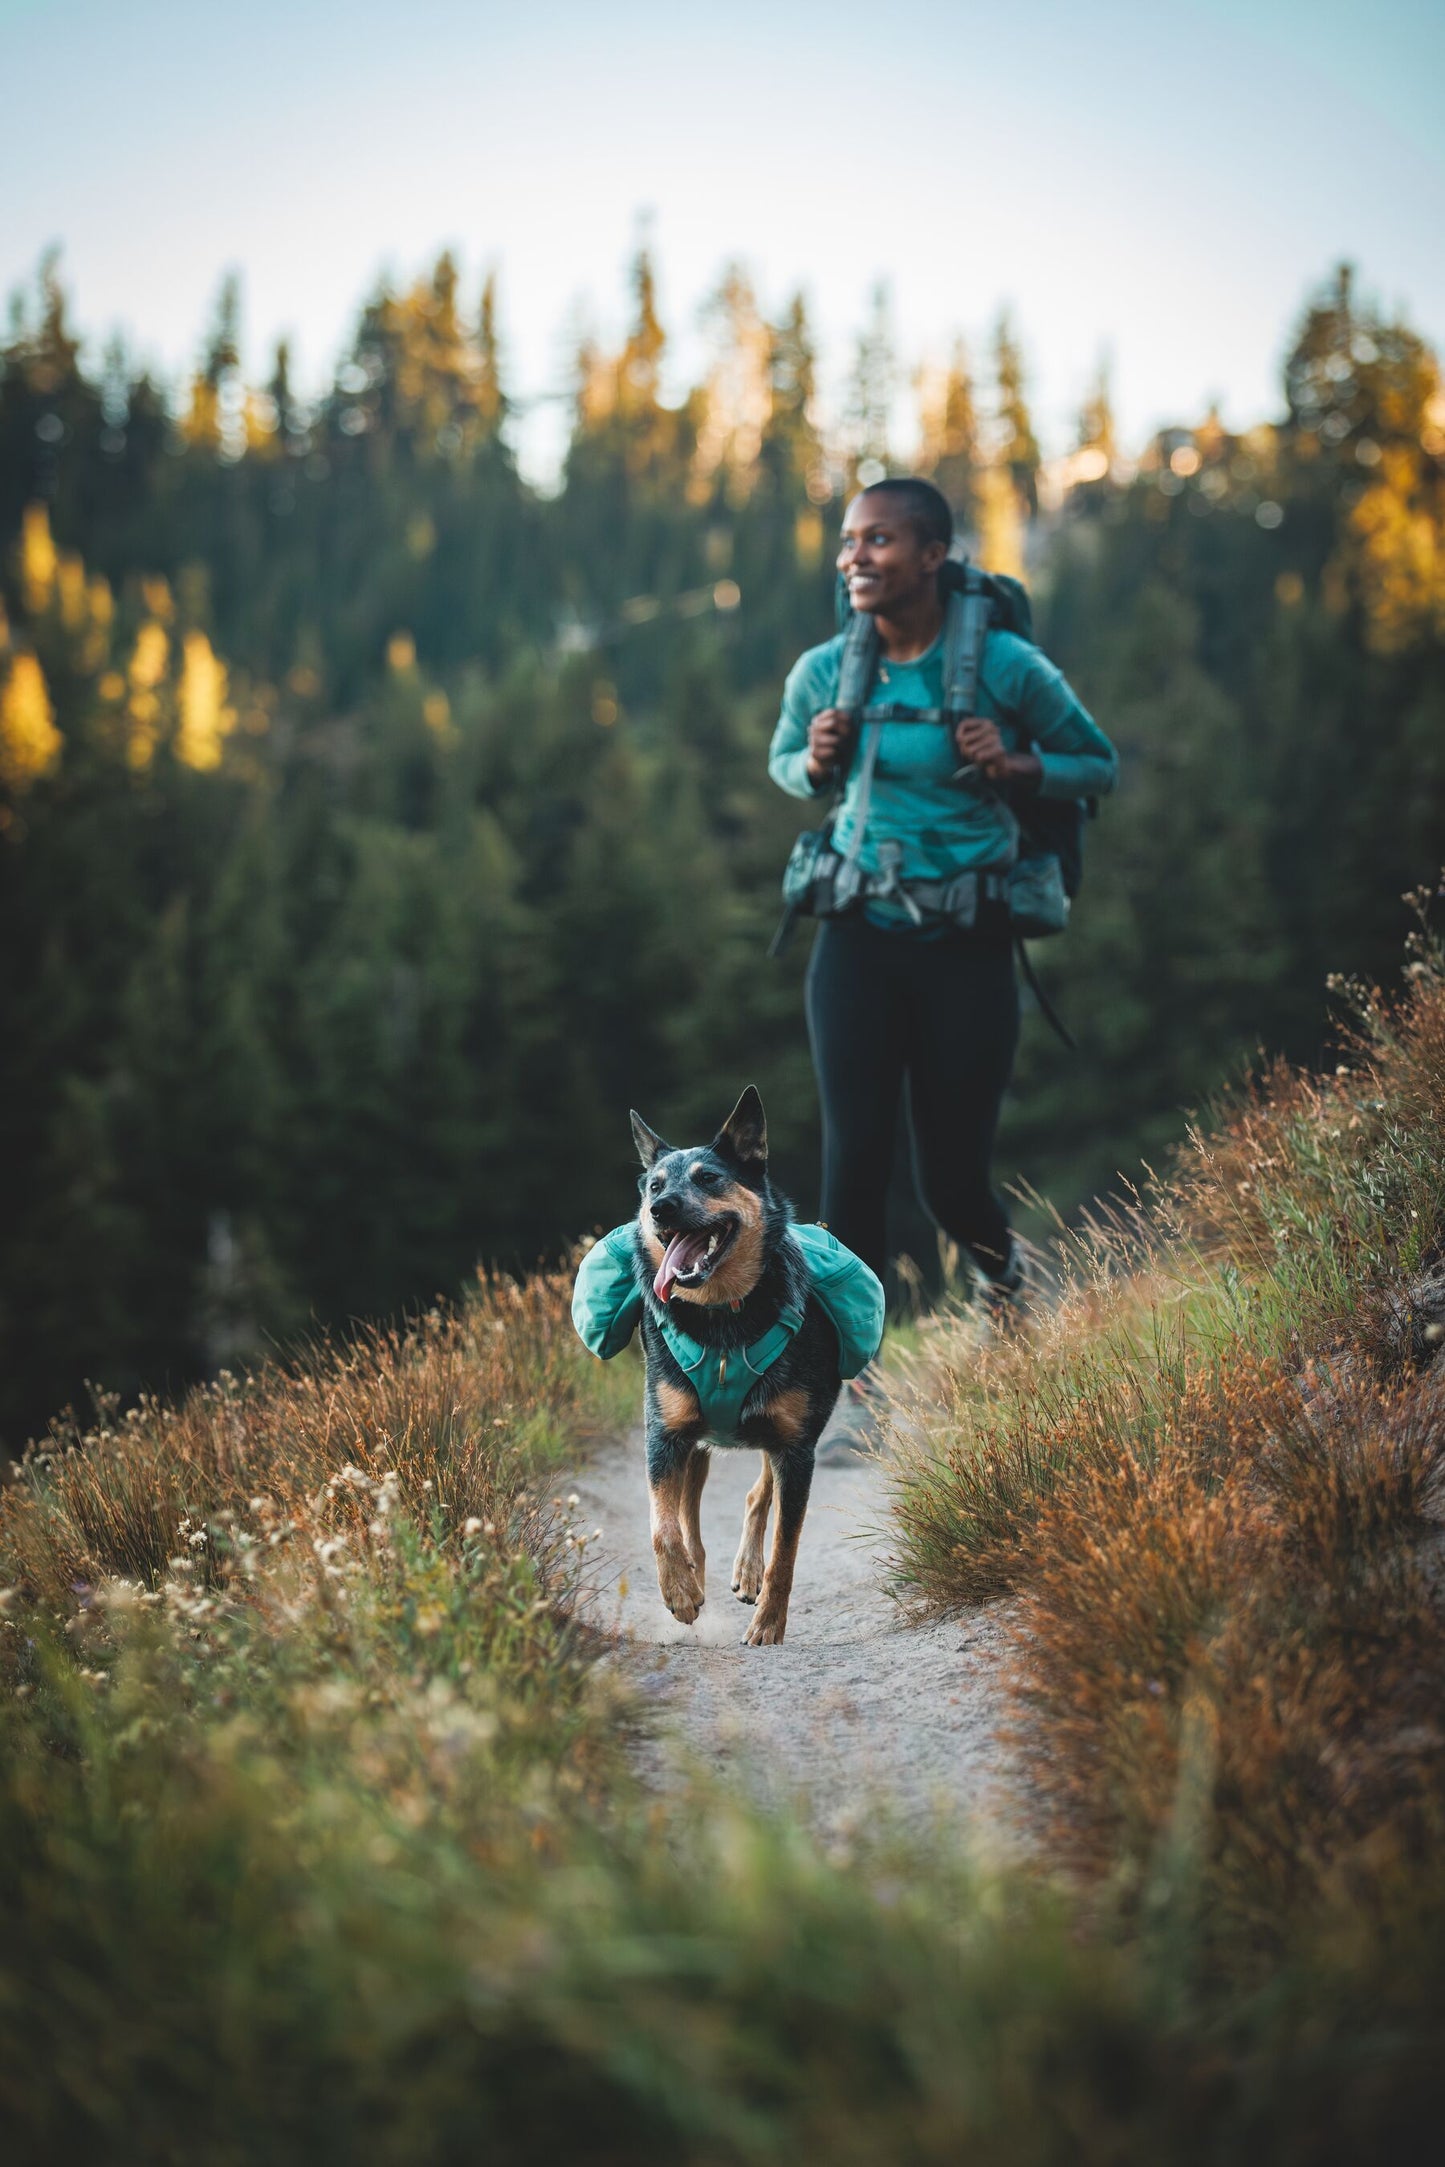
318, 1840
1214, 1476
376, 829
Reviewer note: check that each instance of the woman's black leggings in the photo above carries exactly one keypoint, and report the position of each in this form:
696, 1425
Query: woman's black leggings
942, 1011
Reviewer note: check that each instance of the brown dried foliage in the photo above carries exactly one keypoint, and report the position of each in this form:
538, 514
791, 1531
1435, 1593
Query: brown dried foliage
1233, 1660
442, 1405
1218, 1482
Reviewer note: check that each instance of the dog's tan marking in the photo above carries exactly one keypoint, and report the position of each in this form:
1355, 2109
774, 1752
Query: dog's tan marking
678, 1405
788, 1413
677, 1581
748, 1567
737, 1274
694, 1478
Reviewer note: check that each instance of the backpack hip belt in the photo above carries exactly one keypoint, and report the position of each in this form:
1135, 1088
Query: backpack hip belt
827, 890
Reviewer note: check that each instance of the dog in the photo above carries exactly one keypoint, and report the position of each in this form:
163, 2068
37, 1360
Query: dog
724, 1282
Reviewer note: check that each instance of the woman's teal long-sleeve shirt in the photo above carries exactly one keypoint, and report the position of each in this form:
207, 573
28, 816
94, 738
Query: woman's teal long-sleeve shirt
943, 830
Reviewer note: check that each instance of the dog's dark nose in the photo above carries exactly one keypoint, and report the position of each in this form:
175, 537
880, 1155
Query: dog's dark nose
665, 1214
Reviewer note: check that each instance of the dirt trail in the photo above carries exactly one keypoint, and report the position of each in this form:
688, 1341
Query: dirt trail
855, 1709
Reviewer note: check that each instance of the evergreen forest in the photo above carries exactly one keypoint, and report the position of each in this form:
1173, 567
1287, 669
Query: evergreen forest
376, 828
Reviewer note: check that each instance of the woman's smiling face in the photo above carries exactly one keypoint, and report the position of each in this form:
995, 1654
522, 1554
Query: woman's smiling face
882, 556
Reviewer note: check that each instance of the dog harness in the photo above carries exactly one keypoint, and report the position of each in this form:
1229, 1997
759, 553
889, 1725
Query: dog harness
607, 1303
722, 1377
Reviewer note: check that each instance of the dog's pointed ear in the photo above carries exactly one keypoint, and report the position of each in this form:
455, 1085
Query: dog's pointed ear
649, 1144
744, 1135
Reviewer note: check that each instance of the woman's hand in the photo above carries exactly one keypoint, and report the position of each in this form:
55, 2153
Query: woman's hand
830, 734
980, 744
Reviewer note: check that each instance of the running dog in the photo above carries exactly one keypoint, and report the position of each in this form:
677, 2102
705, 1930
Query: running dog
739, 1350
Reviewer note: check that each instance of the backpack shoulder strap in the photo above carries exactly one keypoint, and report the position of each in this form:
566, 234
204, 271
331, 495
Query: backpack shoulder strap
859, 664
855, 681
970, 610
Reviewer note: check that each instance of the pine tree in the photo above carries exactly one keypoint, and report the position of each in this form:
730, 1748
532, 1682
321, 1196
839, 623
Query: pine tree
1017, 446
949, 452
870, 393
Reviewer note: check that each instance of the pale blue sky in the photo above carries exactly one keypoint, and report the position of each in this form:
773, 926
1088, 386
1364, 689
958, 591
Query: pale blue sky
1164, 181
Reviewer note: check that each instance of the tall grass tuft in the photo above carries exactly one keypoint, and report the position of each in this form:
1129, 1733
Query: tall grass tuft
453, 1412
1214, 1479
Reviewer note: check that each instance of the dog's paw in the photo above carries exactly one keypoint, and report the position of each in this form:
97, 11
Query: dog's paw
679, 1585
748, 1575
768, 1627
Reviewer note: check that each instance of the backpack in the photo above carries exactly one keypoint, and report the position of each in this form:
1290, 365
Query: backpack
607, 1305
1055, 826
1049, 869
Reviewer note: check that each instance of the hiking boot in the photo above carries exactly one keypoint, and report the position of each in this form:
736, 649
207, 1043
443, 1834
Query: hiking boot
1009, 1303
853, 1430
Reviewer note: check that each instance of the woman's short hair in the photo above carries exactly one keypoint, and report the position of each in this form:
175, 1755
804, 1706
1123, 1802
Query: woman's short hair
927, 507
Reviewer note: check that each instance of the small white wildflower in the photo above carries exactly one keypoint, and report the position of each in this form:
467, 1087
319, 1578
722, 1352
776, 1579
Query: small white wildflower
472, 1526
573, 1498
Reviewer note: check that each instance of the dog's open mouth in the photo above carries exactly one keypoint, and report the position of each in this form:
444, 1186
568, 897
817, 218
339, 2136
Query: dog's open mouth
693, 1258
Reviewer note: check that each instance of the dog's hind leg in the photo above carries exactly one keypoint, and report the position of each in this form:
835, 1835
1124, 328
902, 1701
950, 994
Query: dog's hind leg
694, 1478
792, 1480
748, 1568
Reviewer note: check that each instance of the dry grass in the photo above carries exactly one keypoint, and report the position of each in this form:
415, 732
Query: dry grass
1215, 1477
452, 1413
317, 1842
1235, 1674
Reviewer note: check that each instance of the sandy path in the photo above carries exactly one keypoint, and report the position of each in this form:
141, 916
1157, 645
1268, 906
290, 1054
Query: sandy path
855, 1710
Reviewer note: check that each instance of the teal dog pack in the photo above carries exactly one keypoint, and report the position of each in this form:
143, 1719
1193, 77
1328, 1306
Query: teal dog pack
607, 1305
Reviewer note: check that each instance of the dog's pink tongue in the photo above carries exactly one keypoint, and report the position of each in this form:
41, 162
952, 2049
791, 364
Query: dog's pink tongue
677, 1259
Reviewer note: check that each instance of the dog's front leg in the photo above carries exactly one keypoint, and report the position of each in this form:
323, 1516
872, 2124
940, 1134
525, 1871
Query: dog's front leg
670, 1476
792, 1480
694, 1480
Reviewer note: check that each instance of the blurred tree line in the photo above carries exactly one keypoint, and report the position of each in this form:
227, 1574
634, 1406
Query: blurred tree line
374, 829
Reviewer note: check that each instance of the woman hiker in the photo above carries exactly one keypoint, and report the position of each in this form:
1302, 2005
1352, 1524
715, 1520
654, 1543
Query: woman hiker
898, 989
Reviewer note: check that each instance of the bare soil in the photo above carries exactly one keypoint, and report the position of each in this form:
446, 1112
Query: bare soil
858, 1712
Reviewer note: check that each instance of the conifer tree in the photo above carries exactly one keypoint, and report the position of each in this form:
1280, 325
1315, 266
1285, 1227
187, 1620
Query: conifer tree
950, 452
1018, 449
870, 393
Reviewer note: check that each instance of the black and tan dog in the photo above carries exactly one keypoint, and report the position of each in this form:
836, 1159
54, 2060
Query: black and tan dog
717, 1262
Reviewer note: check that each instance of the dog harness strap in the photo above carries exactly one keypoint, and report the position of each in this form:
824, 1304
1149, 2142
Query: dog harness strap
722, 1377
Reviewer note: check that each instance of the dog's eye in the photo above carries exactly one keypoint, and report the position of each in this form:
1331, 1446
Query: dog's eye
707, 1177
656, 1185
